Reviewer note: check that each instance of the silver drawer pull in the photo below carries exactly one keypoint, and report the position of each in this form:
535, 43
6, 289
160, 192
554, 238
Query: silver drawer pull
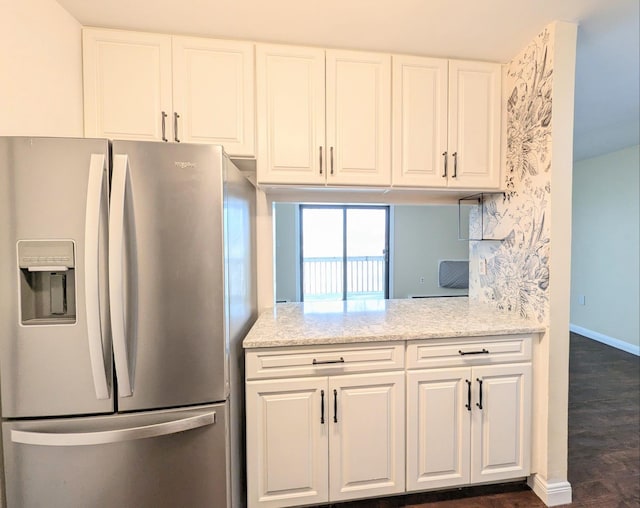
483, 352
54, 438
316, 362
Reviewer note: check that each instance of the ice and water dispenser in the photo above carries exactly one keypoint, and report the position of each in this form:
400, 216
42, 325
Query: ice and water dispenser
47, 282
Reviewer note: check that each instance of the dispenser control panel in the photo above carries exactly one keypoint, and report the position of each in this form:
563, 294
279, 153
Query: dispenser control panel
38, 254
47, 282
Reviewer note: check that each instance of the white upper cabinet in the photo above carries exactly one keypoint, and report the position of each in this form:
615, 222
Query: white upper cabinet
474, 124
321, 117
323, 128
127, 84
446, 123
291, 110
419, 121
213, 93
358, 118
163, 88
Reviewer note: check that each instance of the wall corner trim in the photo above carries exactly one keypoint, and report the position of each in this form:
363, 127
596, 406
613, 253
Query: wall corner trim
605, 339
551, 494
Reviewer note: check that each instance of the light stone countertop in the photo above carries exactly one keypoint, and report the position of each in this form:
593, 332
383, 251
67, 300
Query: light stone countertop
314, 323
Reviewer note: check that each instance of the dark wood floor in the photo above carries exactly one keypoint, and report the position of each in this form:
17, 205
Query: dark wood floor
604, 425
604, 442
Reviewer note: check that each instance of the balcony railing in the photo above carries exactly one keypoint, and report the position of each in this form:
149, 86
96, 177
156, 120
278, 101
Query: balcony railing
323, 278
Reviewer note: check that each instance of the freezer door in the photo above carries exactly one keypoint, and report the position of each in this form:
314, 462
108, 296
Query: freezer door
166, 264
55, 346
155, 459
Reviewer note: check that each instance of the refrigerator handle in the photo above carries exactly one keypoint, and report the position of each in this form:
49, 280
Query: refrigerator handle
112, 436
95, 191
116, 273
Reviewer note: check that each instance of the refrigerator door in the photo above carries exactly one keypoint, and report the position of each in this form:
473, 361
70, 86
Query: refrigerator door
166, 263
55, 349
156, 459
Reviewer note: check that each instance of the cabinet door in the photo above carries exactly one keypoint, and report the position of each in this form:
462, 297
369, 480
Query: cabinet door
127, 84
438, 428
366, 444
287, 443
419, 121
358, 118
213, 93
474, 124
290, 104
501, 435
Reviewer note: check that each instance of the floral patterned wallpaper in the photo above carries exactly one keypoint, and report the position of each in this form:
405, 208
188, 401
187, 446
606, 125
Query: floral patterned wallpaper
517, 268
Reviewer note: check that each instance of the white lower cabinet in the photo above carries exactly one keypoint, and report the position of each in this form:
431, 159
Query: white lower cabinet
324, 439
438, 429
287, 442
468, 425
331, 423
501, 429
366, 440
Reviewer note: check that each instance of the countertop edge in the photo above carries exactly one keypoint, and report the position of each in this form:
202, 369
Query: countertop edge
328, 341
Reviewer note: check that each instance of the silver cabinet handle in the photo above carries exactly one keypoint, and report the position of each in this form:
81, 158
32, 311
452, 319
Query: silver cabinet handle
116, 272
455, 164
320, 160
175, 127
98, 174
164, 127
112, 436
331, 153
444, 154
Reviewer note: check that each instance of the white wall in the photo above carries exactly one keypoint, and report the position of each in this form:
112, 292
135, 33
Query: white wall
40, 69
605, 266
422, 236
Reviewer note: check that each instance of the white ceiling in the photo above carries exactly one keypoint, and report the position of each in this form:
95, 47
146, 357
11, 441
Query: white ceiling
607, 69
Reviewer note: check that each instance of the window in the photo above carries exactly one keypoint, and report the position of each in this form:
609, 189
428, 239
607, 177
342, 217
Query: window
344, 252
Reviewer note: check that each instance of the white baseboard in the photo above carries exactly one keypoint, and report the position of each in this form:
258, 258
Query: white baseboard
605, 339
552, 494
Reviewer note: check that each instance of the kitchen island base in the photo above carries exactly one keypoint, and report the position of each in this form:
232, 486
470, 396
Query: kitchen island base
328, 423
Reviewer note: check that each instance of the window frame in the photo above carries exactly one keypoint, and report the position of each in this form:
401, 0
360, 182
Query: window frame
344, 208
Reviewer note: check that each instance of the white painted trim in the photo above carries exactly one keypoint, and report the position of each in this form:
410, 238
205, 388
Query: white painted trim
551, 494
605, 339
391, 245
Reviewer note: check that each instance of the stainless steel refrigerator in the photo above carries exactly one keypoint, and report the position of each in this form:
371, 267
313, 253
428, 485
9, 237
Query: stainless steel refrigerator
127, 282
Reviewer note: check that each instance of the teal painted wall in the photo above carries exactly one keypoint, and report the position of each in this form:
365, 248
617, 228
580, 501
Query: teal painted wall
605, 266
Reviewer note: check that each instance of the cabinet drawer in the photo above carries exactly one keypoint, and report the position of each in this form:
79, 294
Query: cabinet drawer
468, 351
323, 360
